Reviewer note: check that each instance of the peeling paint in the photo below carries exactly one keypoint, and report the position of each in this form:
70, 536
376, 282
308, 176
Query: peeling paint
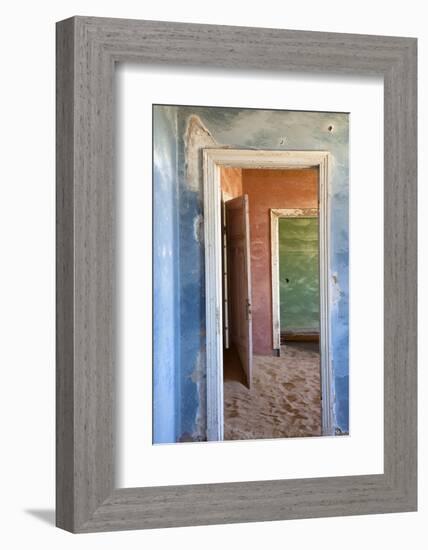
196, 137
336, 291
200, 379
198, 228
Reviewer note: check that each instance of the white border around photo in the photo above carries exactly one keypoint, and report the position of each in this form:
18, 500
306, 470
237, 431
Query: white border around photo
140, 462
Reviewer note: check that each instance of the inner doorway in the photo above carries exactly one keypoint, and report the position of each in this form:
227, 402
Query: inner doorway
243, 294
295, 257
298, 251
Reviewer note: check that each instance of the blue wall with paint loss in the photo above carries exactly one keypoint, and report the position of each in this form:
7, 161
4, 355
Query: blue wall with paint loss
166, 291
178, 165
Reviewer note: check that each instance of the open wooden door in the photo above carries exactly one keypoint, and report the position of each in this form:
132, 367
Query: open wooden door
239, 267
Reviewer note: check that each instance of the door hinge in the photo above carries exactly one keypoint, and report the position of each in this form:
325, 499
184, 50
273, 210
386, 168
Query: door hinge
248, 308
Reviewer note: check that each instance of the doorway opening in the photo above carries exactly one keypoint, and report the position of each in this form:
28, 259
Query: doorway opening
266, 260
295, 261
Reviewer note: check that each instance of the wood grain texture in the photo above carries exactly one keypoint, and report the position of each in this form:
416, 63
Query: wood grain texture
86, 51
64, 278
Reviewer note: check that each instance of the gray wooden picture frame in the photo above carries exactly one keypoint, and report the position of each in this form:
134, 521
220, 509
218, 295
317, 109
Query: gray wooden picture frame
87, 50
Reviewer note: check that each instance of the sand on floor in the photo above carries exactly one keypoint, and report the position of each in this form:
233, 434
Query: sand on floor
284, 399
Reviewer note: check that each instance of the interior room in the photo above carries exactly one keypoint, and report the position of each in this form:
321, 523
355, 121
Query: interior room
291, 170
272, 386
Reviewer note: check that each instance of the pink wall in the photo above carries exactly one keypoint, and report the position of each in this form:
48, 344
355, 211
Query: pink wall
268, 189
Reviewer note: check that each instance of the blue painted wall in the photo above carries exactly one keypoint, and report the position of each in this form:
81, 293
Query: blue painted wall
193, 128
166, 291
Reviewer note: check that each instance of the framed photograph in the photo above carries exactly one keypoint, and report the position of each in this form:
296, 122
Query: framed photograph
236, 274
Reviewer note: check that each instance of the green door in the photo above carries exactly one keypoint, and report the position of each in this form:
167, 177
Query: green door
299, 274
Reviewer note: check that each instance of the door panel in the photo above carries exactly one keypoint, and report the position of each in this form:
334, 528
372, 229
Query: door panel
225, 279
238, 245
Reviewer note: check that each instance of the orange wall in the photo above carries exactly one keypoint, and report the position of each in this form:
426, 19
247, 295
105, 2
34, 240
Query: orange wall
268, 189
231, 182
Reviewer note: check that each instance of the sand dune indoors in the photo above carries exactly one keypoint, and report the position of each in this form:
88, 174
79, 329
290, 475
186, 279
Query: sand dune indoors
284, 400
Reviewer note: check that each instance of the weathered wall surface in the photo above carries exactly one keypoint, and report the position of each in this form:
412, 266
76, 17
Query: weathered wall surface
199, 127
166, 341
268, 189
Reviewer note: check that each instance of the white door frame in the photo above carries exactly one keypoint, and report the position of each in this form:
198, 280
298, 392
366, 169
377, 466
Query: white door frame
213, 159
